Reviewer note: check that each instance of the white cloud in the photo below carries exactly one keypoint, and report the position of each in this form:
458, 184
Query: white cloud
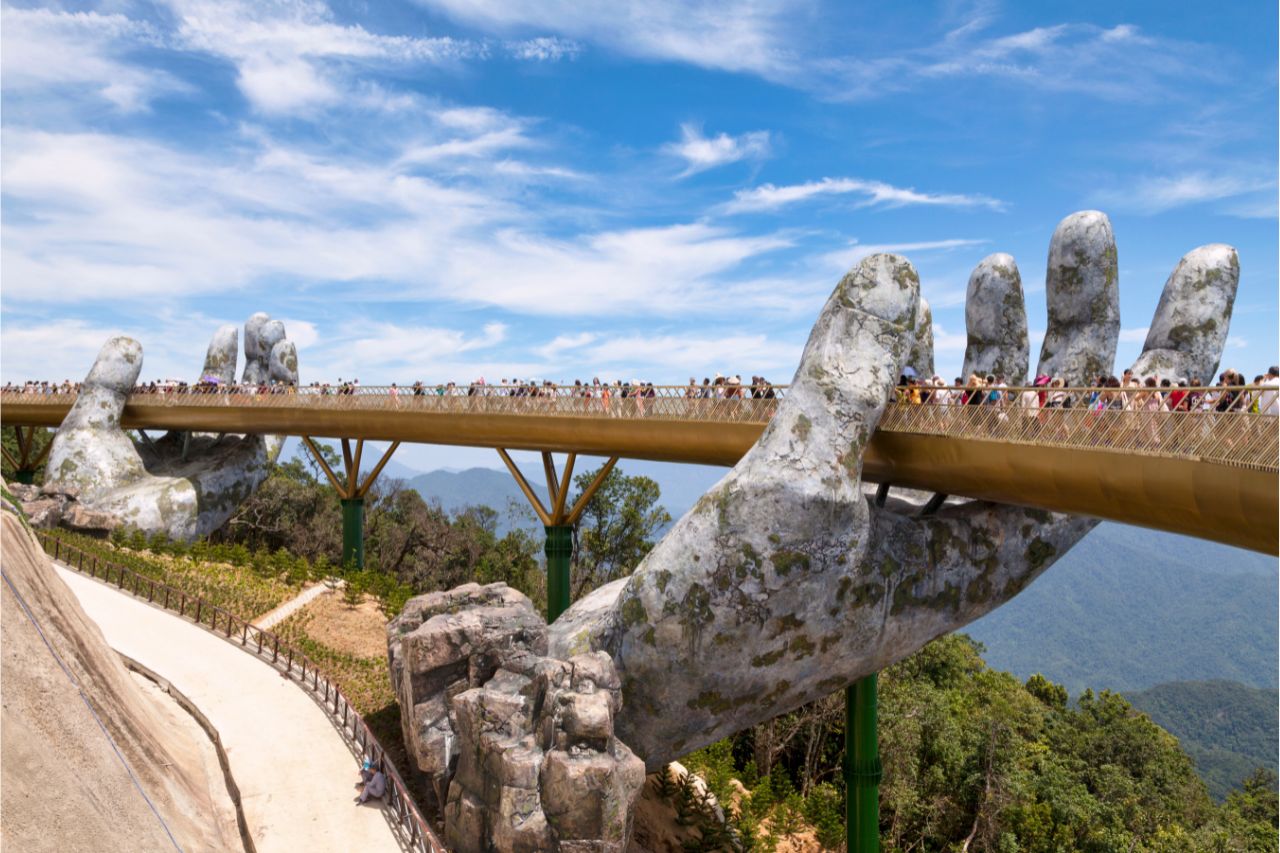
544, 49
46, 51
1134, 336
701, 152
1158, 194
99, 217
948, 342
291, 56
843, 259
640, 356
562, 343
744, 36
1237, 342
768, 197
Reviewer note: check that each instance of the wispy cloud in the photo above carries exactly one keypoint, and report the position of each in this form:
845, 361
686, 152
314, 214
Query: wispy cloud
544, 49
700, 152
70, 54
745, 37
1158, 194
563, 343
768, 197
843, 259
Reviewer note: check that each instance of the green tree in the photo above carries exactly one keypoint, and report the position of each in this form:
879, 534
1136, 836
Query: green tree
617, 528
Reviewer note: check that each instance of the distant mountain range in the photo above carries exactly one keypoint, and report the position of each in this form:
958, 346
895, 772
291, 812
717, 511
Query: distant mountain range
1227, 728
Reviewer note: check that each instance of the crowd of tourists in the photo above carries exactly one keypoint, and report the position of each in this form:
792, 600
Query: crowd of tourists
1128, 392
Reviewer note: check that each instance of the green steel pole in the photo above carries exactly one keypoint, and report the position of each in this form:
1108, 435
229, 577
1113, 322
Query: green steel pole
861, 768
25, 475
353, 533
559, 550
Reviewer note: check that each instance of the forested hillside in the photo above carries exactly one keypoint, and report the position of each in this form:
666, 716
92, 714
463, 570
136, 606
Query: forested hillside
1127, 609
1228, 729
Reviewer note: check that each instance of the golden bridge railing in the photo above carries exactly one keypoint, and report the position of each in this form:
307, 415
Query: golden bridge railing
1172, 422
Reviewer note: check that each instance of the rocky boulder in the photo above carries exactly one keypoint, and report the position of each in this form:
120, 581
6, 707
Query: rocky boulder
517, 749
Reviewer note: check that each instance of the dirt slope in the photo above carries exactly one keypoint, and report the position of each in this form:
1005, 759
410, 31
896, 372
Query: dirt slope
62, 786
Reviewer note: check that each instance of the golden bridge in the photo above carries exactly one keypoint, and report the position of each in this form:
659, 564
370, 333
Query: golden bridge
1116, 454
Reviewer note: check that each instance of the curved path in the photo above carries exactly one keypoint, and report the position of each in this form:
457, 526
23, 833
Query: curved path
294, 770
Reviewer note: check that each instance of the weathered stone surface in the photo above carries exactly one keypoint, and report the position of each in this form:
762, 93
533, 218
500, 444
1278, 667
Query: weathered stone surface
517, 748
24, 492
1189, 329
44, 512
996, 318
921, 357
283, 363
90, 452
1083, 294
220, 361
79, 517
183, 486
443, 644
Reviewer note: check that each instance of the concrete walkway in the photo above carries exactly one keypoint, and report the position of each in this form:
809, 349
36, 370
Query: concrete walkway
294, 771
272, 618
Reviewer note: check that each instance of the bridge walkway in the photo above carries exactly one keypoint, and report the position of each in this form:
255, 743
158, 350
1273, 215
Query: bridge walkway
294, 771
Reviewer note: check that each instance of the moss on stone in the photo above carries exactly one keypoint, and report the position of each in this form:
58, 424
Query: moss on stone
786, 560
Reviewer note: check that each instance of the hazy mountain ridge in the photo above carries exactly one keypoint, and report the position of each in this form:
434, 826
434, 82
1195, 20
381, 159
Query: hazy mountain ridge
1227, 728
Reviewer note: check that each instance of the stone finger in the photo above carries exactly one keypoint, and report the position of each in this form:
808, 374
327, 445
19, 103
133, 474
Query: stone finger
255, 355
921, 357
995, 317
283, 367
1083, 295
90, 453
220, 360
1189, 330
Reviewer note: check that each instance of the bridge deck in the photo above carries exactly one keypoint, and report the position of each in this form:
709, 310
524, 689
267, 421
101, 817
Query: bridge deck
1203, 473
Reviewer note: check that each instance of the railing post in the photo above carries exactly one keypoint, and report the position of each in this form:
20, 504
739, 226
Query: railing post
559, 551
861, 767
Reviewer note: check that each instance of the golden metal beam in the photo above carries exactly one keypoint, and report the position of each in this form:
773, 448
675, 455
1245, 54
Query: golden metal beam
353, 473
580, 505
524, 487
324, 466
13, 463
346, 460
566, 478
21, 435
377, 469
553, 487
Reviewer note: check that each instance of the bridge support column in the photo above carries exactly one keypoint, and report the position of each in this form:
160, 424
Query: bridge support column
353, 533
559, 522
29, 459
559, 551
351, 492
861, 767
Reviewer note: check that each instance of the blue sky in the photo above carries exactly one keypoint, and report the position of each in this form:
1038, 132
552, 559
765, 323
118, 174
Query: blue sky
448, 189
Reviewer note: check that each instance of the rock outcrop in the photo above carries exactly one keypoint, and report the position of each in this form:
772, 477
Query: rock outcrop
518, 749
64, 788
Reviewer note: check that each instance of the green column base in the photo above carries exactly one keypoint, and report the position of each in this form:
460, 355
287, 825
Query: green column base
862, 767
27, 477
559, 551
353, 533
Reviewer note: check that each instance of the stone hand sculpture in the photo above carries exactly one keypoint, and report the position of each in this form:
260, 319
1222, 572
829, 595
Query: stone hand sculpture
182, 485
786, 582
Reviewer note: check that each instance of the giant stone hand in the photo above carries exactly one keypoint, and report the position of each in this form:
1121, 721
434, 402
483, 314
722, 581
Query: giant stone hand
182, 485
786, 582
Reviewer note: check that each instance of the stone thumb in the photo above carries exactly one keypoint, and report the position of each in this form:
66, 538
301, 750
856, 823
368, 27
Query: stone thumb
107, 387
